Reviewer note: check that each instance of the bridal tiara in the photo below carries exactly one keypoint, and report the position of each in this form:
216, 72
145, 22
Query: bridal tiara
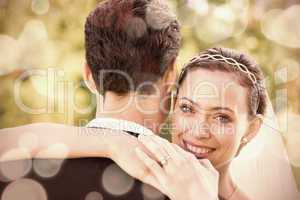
218, 57
230, 61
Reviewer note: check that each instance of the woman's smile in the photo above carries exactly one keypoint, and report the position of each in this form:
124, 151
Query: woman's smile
200, 151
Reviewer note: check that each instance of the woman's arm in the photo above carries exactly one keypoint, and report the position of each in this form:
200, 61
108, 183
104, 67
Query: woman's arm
40, 140
47, 140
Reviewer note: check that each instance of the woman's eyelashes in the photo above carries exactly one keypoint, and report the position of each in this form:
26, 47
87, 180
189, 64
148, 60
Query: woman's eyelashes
223, 118
219, 117
185, 108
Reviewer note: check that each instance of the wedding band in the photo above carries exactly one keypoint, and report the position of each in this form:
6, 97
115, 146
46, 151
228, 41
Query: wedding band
164, 161
245, 140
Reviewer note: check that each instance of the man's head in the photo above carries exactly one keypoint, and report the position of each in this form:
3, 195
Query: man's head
130, 44
131, 48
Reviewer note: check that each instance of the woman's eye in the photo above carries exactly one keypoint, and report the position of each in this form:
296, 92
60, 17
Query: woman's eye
223, 119
186, 109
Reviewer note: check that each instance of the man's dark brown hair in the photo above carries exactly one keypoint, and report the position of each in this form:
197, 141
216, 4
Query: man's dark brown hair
139, 39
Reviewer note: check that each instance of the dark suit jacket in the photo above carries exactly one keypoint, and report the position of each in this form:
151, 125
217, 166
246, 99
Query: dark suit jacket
75, 180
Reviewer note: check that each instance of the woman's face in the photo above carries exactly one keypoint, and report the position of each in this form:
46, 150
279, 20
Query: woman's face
210, 115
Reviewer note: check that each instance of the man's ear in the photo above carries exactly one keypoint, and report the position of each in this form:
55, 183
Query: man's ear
253, 129
88, 79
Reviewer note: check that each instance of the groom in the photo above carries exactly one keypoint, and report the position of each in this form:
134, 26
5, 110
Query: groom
131, 48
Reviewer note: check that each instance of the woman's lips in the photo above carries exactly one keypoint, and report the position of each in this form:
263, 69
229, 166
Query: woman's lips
199, 151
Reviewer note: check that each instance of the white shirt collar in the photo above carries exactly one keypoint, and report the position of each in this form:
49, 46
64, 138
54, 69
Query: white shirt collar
119, 124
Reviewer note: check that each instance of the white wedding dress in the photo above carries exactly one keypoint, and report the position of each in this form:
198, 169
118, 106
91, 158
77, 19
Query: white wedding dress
262, 169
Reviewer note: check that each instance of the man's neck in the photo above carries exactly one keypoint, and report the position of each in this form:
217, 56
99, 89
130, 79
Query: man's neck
131, 108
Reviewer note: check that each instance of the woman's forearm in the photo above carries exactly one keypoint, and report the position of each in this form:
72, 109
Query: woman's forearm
46, 140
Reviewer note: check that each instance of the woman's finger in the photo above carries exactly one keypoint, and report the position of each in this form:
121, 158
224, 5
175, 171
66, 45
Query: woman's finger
156, 150
200, 164
207, 164
174, 156
152, 165
184, 153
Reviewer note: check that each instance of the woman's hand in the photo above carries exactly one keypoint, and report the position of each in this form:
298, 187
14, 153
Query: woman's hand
179, 173
122, 152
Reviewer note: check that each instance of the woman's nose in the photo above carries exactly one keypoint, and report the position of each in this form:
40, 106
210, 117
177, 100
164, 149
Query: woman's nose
201, 130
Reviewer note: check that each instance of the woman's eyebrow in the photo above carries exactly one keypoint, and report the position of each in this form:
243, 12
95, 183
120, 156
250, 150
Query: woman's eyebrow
191, 101
222, 108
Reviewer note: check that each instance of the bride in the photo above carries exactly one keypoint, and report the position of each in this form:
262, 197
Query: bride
218, 108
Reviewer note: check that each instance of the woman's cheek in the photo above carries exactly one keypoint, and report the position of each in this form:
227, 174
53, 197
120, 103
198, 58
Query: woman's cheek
176, 129
181, 125
226, 151
223, 130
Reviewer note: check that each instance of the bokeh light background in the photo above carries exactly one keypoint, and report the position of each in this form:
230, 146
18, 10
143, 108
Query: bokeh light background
45, 38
